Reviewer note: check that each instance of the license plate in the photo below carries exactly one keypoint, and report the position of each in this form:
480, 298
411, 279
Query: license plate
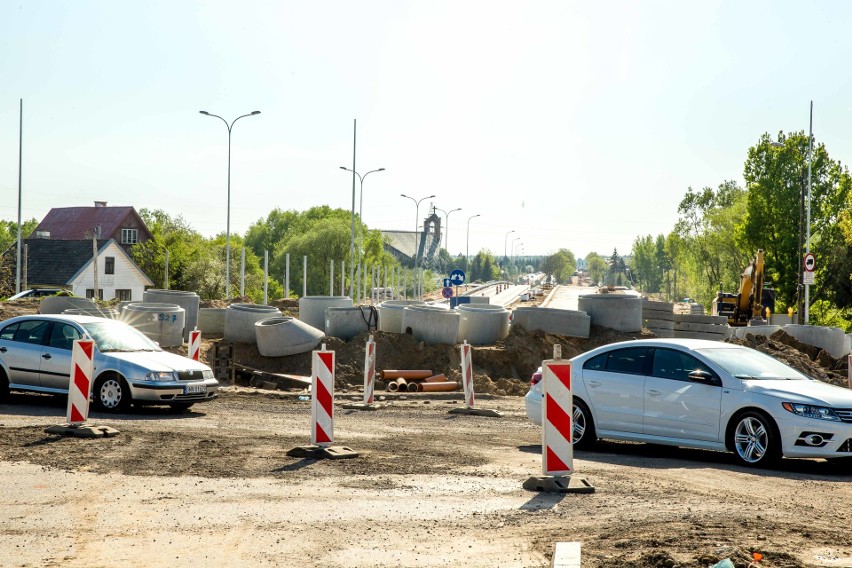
195, 389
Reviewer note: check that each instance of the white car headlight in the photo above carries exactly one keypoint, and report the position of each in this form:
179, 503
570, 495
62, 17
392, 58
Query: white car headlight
208, 374
160, 376
811, 411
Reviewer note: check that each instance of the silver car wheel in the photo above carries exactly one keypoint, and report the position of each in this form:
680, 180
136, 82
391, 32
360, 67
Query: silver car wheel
751, 439
579, 420
110, 394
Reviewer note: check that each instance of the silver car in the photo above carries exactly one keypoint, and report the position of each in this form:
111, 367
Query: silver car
35, 355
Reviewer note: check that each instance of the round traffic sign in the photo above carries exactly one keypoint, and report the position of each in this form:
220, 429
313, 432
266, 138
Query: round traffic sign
447, 292
810, 262
457, 277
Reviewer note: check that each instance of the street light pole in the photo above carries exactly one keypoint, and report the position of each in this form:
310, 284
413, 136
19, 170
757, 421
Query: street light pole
808, 219
505, 240
416, 228
228, 221
513, 249
467, 247
447, 227
360, 215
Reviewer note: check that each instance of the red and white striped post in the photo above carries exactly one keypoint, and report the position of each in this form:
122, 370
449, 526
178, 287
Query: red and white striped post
322, 399
467, 373
557, 455
80, 387
369, 370
194, 344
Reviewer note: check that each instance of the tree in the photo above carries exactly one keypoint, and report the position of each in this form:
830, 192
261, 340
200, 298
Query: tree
776, 180
596, 267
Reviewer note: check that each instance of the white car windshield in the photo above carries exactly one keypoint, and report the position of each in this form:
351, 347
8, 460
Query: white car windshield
751, 364
111, 335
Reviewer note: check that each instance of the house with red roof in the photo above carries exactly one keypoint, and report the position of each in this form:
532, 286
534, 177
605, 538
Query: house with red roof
122, 224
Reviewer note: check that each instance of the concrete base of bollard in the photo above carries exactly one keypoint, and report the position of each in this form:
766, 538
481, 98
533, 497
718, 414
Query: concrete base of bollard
320, 453
361, 406
566, 484
82, 431
476, 412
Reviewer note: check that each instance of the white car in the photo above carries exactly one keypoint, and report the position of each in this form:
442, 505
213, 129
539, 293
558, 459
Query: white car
35, 355
703, 394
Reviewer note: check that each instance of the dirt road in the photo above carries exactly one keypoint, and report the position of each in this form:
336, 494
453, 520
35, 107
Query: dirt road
214, 487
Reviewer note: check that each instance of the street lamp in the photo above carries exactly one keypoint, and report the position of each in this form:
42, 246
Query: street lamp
505, 239
416, 225
467, 247
228, 222
360, 215
513, 249
447, 227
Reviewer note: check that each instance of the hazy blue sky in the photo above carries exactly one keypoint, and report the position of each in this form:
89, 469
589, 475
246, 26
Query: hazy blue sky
576, 125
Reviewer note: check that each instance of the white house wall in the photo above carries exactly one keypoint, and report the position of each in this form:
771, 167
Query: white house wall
127, 276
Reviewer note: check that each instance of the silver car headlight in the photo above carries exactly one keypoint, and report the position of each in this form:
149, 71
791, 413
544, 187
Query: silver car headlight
811, 411
208, 374
160, 376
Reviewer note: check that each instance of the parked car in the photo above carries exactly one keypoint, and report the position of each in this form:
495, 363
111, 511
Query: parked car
703, 394
35, 355
36, 293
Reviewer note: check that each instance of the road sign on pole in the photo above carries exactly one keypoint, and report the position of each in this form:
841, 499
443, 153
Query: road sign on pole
457, 277
810, 262
447, 292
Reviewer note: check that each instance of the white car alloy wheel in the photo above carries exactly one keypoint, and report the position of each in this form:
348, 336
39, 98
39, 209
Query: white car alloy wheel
754, 439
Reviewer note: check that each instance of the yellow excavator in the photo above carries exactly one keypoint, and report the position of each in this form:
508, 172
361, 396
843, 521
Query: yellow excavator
752, 299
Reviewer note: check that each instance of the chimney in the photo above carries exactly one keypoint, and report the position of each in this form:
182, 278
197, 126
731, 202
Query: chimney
100, 203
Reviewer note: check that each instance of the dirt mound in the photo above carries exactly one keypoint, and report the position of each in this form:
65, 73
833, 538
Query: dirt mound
807, 359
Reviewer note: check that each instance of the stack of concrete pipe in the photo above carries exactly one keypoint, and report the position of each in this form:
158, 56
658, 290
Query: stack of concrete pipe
553, 320
620, 312
189, 301
431, 324
58, 304
312, 308
482, 324
390, 314
346, 323
658, 317
240, 320
163, 323
283, 335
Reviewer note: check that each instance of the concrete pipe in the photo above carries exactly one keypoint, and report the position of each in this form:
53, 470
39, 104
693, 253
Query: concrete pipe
346, 323
482, 324
393, 386
613, 311
189, 301
281, 336
553, 320
312, 308
58, 304
240, 320
211, 321
431, 325
162, 323
390, 314
765, 330
108, 313
443, 386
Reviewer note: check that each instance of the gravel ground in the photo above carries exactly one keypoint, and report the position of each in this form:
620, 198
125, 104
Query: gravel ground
215, 487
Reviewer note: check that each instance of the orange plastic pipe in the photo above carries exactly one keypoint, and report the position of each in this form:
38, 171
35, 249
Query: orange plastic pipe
442, 378
437, 387
405, 374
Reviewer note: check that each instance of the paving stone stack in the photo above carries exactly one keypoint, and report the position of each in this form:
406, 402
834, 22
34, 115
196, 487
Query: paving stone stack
688, 308
658, 317
696, 326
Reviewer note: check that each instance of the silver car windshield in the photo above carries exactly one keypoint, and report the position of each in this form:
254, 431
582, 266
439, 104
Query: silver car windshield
751, 364
111, 335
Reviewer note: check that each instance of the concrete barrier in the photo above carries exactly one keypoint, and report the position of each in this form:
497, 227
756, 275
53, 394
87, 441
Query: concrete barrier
832, 339
553, 320
764, 330
211, 321
312, 308
390, 314
431, 324
283, 335
482, 324
613, 311
108, 313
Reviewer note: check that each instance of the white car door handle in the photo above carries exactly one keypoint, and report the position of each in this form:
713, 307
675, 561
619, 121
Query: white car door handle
653, 392
594, 384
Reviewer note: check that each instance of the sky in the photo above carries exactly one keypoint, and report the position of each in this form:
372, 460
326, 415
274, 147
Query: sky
561, 124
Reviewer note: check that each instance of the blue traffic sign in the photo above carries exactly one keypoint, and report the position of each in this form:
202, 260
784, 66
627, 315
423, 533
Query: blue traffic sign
447, 292
457, 277
447, 282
